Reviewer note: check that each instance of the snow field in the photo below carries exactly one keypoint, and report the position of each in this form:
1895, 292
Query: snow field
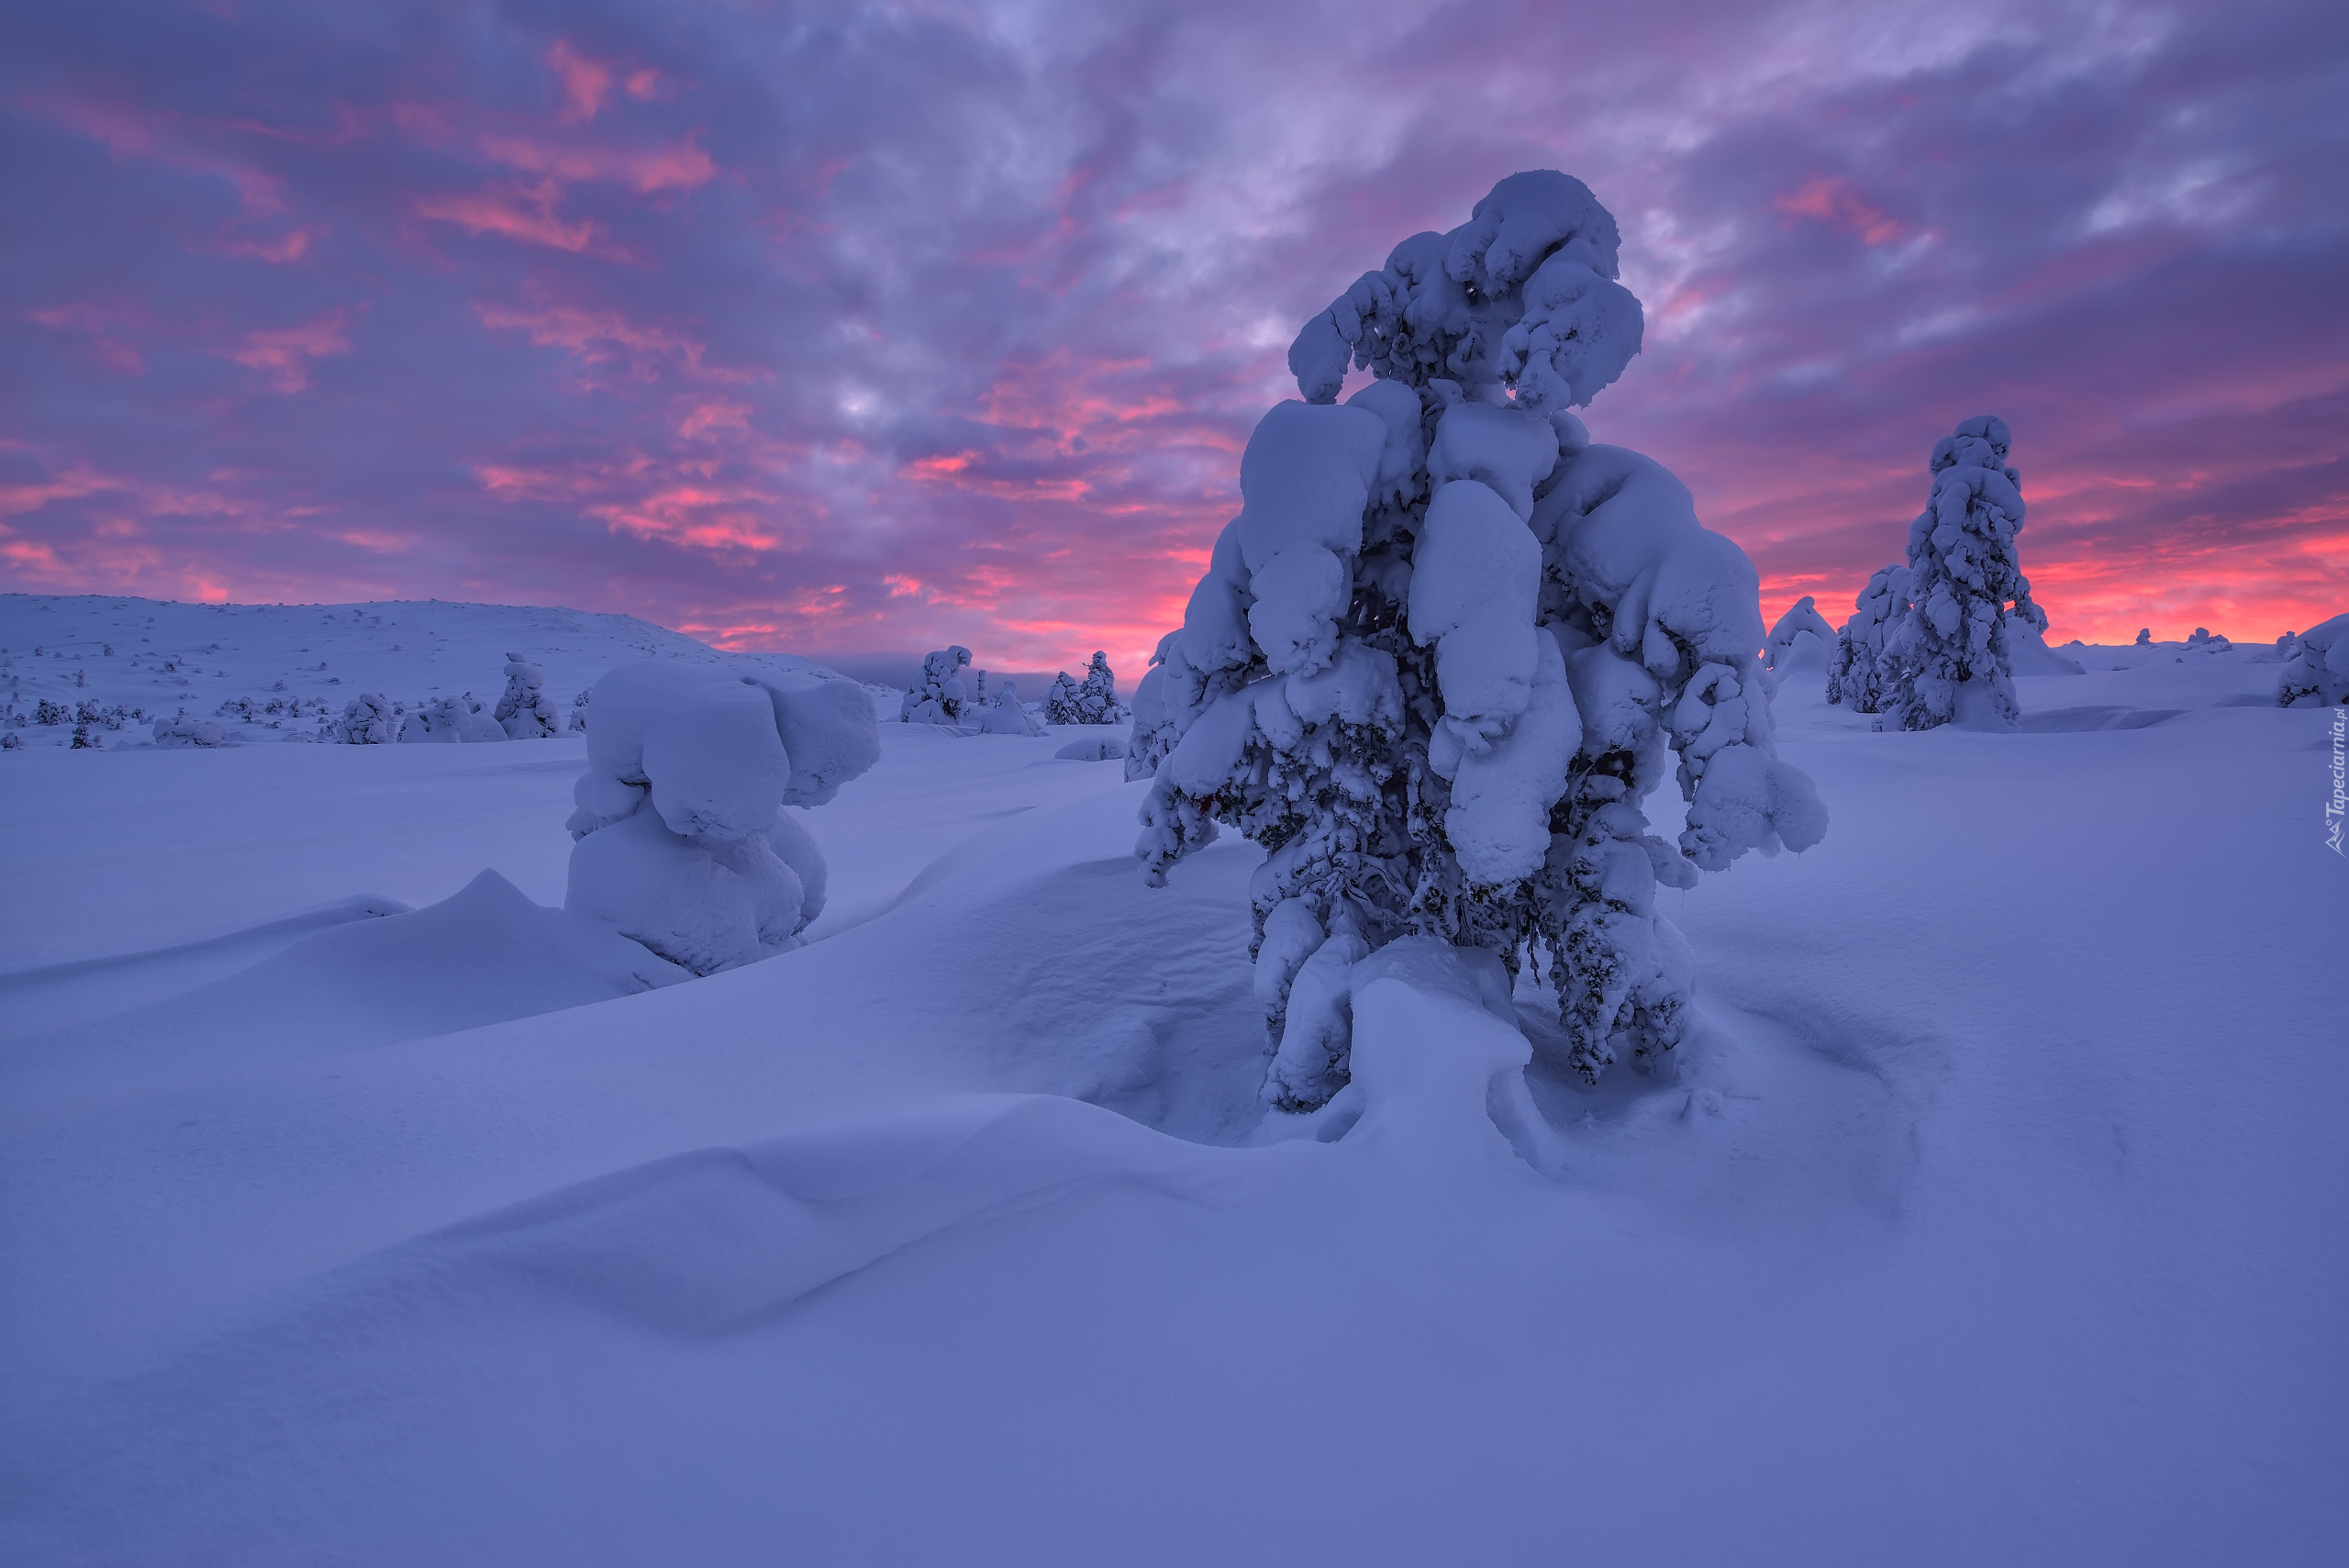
1989, 1212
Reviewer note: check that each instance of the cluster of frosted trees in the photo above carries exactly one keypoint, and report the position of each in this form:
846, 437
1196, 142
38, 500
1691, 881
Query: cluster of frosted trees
1928, 643
1450, 645
1093, 700
523, 712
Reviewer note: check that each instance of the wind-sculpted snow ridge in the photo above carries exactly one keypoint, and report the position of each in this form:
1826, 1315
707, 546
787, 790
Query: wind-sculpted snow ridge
718, 871
1438, 659
2316, 667
1947, 660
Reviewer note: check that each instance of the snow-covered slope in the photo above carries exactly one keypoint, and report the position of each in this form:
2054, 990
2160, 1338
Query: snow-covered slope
169, 659
1992, 1214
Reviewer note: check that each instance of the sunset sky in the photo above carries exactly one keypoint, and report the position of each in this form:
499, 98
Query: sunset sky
848, 329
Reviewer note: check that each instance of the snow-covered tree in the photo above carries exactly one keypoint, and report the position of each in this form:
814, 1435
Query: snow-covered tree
941, 697
2316, 672
686, 839
1947, 658
1449, 646
367, 719
525, 712
1803, 639
450, 721
1093, 700
1154, 729
2145, 636
1856, 678
2204, 637
1007, 715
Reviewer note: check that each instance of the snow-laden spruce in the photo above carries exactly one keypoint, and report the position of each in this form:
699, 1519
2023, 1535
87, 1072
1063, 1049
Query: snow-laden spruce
686, 839
1449, 645
1008, 714
450, 721
1801, 640
2316, 673
1856, 677
1947, 660
525, 712
942, 698
1093, 700
368, 719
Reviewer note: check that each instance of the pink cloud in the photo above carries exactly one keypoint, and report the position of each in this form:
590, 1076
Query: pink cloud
643, 170
283, 354
586, 82
1834, 201
526, 215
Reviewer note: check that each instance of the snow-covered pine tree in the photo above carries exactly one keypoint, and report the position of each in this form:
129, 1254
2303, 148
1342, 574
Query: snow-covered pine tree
1008, 714
1785, 648
367, 719
524, 711
941, 697
1096, 699
1448, 647
1060, 700
1948, 657
1092, 701
1856, 678
2145, 636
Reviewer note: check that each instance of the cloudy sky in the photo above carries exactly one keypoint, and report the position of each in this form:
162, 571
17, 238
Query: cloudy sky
855, 329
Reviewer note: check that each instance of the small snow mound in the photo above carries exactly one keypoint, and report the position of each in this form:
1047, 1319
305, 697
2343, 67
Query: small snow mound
190, 732
1093, 749
1007, 715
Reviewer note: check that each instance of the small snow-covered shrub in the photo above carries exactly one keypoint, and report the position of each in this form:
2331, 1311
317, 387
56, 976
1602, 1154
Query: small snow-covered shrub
11, 742
1093, 700
185, 732
2316, 672
2145, 636
2204, 638
1006, 715
450, 721
1449, 646
1855, 678
47, 712
523, 712
367, 719
942, 698
684, 840
1784, 648
1947, 658
85, 741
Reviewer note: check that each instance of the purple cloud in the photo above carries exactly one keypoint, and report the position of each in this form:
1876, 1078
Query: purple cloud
904, 327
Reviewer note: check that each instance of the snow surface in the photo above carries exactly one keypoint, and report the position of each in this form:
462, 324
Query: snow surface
2002, 1225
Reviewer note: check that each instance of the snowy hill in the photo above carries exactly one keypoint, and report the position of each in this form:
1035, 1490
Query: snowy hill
1990, 1214
165, 659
